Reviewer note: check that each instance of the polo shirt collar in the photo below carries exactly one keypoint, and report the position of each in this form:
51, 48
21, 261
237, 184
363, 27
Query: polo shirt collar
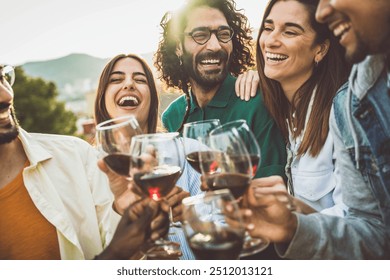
221, 98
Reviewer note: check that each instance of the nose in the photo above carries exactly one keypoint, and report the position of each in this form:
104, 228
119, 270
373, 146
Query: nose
6, 93
271, 39
213, 44
324, 10
128, 83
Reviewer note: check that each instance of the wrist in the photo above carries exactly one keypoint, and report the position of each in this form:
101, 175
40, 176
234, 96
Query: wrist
291, 228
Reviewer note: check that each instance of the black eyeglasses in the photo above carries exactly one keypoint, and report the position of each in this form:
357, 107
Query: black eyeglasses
7, 73
202, 35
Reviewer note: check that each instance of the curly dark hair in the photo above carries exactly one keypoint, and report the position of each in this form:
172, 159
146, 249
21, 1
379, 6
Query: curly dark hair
169, 65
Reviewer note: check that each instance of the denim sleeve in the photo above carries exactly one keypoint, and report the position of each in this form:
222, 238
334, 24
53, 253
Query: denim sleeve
361, 234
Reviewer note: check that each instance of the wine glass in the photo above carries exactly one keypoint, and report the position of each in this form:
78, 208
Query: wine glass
228, 164
247, 137
155, 168
213, 233
192, 132
113, 142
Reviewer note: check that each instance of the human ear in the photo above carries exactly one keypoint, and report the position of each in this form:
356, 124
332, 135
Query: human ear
322, 51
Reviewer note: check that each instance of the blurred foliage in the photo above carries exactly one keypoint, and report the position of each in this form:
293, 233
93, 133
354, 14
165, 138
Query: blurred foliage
37, 107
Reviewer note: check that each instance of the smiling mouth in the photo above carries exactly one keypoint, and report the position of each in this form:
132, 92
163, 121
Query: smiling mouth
275, 56
4, 114
341, 29
128, 101
210, 62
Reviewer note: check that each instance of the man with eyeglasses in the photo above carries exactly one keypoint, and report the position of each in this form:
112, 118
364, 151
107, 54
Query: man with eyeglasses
55, 203
204, 46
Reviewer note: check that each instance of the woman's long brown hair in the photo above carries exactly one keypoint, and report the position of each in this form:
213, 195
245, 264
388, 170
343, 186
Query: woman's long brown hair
101, 113
328, 76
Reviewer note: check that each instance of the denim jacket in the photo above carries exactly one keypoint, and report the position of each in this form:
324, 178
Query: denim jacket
365, 127
361, 140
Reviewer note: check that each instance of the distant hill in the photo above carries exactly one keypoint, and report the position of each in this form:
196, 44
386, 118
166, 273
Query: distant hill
74, 74
77, 75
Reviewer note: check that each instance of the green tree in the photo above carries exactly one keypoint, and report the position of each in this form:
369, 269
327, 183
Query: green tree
37, 107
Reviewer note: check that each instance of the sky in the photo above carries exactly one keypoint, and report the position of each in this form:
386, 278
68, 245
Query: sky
34, 30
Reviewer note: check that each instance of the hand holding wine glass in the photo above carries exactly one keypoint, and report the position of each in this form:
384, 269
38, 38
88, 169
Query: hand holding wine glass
228, 164
135, 228
113, 143
212, 231
155, 168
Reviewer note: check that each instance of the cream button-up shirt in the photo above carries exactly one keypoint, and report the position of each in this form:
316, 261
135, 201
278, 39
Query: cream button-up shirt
67, 187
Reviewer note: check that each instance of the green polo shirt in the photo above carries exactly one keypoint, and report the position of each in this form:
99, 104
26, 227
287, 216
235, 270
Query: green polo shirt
226, 106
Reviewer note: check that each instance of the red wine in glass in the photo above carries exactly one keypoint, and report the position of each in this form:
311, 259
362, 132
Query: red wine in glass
113, 138
223, 245
249, 139
192, 133
159, 182
211, 231
193, 159
237, 183
255, 159
119, 163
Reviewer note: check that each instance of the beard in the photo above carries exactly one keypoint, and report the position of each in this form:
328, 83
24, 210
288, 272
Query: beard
10, 135
9, 132
210, 78
359, 53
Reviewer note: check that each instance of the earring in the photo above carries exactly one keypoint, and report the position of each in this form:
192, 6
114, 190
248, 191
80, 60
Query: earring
180, 61
315, 63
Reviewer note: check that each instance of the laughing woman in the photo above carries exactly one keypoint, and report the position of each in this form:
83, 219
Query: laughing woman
301, 67
127, 87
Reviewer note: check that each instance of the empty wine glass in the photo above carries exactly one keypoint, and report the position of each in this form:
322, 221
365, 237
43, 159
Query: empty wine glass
113, 138
155, 168
213, 233
192, 132
228, 164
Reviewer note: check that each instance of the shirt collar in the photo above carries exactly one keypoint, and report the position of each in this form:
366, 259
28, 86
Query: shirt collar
34, 151
221, 98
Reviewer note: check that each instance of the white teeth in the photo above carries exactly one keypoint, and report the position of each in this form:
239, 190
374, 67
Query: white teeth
210, 61
128, 101
341, 28
276, 56
4, 114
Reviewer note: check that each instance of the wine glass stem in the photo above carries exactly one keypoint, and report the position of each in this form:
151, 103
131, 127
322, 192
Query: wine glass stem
171, 221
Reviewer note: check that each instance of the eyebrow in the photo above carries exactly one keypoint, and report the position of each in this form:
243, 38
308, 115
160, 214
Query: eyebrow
201, 28
288, 24
122, 73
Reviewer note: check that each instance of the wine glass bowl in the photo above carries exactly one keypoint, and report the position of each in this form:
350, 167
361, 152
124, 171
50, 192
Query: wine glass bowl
192, 132
226, 164
113, 139
155, 163
212, 231
248, 138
